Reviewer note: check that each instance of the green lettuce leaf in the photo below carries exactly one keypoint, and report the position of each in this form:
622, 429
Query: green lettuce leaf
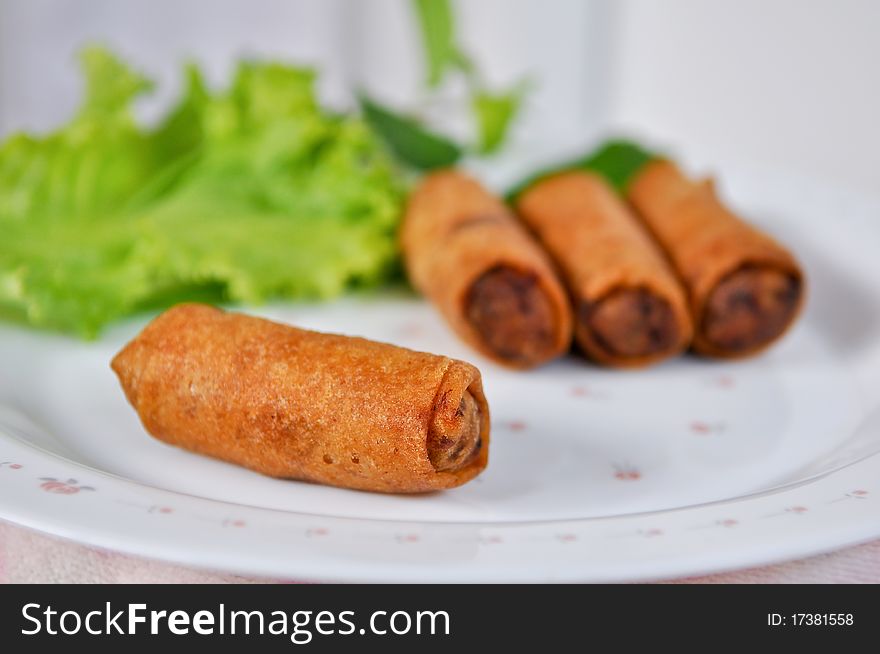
245, 194
89, 167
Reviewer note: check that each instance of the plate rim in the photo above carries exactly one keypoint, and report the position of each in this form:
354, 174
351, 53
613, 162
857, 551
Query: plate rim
140, 538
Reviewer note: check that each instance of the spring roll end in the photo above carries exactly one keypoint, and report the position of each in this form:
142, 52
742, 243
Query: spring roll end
631, 327
453, 447
458, 431
514, 316
748, 310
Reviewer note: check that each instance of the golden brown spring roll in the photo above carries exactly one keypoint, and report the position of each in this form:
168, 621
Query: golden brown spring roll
483, 271
630, 308
745, 289
297, 404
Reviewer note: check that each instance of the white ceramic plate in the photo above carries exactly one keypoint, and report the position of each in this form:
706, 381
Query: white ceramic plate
689, 467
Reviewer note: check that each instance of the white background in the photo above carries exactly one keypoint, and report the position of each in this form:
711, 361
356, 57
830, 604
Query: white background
793, 83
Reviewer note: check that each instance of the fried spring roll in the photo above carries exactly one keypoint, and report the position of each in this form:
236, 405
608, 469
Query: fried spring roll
630, 308
303, 405
488, 277
745, 289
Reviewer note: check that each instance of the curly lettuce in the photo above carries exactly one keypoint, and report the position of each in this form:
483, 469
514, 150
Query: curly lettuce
245, 194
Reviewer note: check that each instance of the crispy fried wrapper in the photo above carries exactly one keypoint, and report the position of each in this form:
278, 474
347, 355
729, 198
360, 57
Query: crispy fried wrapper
485, 274
630, 308
298, 404
745, 289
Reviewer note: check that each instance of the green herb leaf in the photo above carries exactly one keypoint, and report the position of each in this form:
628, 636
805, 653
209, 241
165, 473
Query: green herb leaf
618, 161
408, 140
437, 24
495, 113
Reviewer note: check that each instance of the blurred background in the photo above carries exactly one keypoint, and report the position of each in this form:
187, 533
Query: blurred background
788, 83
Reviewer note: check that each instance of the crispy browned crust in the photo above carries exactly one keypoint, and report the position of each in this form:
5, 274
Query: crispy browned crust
454, 234
297, 404
709, 245
631, 308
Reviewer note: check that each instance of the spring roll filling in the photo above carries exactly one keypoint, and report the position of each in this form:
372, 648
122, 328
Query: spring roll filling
750, 307
512, 314
452, 447
631, 322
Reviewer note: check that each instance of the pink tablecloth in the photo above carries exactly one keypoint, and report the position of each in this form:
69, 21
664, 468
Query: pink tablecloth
30, 557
